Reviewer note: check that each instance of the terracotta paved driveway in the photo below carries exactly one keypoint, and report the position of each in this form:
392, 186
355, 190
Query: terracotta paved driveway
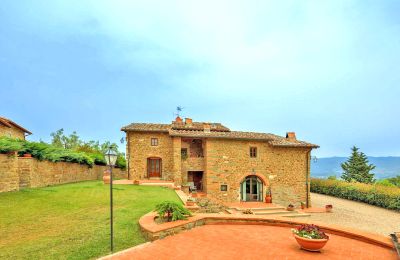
250, 242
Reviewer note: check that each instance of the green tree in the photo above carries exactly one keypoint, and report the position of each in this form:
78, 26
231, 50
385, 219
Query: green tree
357, 168
59, 139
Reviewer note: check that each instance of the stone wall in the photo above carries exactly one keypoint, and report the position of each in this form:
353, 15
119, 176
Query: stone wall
9, 180
228, 162
11, 132
139, 149
19, 172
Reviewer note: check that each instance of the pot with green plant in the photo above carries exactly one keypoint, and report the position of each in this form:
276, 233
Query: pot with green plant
302, 205
310, 237
268, 197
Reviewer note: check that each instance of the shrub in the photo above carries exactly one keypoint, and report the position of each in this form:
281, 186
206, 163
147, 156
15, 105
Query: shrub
10, 145
374, 194
43, 151
172, 211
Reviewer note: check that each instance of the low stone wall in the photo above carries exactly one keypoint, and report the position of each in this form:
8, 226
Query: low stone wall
20, 172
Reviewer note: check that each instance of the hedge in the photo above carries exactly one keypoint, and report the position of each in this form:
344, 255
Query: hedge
44, 151
374, 194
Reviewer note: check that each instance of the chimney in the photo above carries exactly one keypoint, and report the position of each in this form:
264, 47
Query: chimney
207, 127
291, 136
178, 120
188, 121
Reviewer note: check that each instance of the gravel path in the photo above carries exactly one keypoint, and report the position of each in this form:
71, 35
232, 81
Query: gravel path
356, 215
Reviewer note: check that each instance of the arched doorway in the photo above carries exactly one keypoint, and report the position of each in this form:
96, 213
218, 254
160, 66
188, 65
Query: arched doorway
154, 167
251, 189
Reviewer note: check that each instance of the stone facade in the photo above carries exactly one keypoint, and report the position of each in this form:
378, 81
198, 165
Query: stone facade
19, 172
139, 149
11, 132
222, 157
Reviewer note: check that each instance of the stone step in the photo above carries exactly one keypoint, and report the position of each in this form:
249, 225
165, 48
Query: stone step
169, 184
259, 209
276, 212
297, 215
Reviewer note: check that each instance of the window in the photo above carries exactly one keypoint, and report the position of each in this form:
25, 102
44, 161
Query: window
184, 153
224, 187
154, 141
253, 152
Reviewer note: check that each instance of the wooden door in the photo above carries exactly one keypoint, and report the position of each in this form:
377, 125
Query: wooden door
154, 167
197, 179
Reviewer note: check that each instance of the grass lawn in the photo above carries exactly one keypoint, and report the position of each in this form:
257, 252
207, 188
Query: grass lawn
71, 221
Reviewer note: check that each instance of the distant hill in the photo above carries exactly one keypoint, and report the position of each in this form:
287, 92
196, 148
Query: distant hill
386, 167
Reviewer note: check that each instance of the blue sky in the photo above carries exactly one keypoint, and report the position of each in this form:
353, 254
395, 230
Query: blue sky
328, 70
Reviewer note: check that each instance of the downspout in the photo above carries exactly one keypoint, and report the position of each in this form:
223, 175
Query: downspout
307, 179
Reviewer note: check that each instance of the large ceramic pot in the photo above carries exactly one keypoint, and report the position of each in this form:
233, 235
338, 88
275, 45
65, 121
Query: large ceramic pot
311, 244
106, 177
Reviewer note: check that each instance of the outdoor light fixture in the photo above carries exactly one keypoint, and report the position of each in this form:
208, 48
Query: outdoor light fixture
111, 157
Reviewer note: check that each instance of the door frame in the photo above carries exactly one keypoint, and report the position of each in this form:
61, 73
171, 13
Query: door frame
259, 185
149, 159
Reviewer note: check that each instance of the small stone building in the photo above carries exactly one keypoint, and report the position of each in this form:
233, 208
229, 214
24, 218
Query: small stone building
229, 166
11, 129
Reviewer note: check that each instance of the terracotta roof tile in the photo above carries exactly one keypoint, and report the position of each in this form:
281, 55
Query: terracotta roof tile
147, 127
195, 130
9, 123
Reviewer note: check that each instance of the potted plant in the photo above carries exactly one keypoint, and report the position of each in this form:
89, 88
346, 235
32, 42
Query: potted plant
302, 205
268, 198
328, 208
290, 207
190, 202
310, 237
27, 155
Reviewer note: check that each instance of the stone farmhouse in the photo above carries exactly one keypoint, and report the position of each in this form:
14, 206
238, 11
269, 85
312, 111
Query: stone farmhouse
11, 129
226, 165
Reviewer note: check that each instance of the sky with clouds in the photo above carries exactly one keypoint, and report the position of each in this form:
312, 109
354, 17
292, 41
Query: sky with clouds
328, 70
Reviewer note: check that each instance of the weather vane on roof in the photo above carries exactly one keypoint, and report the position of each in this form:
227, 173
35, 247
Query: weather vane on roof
179, 110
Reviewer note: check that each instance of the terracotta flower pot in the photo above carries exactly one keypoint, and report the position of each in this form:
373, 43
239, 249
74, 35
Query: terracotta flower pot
27, 155
290, 208
268, 199
106, 179
314, 245
328, 208
189, 203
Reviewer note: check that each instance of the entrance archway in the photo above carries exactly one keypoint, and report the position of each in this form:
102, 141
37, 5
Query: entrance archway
251, 189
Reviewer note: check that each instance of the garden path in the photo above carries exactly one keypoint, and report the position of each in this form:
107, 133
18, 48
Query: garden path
355, 214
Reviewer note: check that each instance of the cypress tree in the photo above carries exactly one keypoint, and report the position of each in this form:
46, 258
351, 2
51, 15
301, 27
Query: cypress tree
357, 168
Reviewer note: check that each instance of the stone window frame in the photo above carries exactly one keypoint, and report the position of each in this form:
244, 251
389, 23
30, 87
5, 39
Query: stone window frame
225, 185
253, 151
154, 141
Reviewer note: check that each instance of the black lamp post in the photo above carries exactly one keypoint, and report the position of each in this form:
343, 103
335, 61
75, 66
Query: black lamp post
111, 158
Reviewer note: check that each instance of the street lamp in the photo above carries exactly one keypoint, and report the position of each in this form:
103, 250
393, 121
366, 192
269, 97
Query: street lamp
111, 157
